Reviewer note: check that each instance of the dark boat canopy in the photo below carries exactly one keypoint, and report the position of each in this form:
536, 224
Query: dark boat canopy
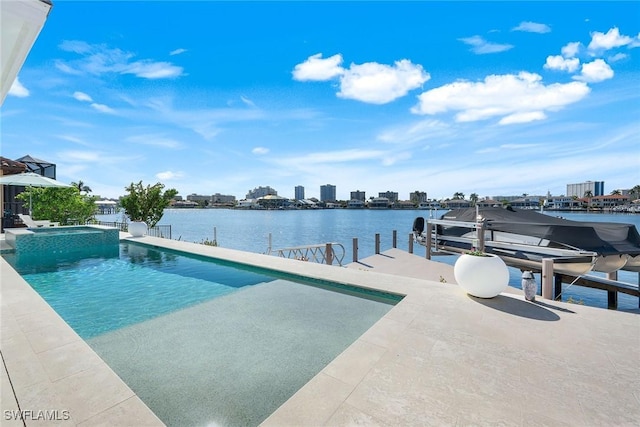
605, 238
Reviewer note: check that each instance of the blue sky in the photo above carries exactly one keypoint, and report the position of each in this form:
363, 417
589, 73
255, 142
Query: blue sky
497, 98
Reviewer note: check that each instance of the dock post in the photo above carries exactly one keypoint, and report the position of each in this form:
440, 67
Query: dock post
329, 254
557, 287
355, 249
480, 236
410, 243
612, 296
428, 242
394, 239
547, 278
377, 243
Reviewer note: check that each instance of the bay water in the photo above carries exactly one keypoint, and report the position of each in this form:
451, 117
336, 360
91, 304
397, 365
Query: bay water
253, 230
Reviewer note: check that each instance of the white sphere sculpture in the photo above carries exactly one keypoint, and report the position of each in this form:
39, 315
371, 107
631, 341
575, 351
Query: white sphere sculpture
481, 276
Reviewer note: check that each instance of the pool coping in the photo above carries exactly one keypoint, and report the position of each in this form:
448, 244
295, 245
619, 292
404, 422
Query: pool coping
435, 358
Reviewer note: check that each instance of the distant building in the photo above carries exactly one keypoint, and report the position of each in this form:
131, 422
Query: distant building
261, 192
328, 193
223, 198
609, 201
562, 203
248, 204
355, 204
578, 190
418, 196
403, 204
379, 203
299, 192
526, 203
456, 203
391, 195
198, 198
358, 195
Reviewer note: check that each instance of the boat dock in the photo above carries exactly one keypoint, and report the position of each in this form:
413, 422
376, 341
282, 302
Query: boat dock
552, 280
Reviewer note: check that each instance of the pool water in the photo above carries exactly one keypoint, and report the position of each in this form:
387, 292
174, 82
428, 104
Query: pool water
203, 342
98, 295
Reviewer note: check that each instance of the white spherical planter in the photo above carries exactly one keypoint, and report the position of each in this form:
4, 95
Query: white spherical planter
137, 228
481, 276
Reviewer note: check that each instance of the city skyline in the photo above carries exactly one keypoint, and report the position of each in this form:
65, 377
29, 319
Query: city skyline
442, 97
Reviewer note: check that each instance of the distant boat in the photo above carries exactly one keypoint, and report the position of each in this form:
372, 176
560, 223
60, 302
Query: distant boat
528, 236
429, 205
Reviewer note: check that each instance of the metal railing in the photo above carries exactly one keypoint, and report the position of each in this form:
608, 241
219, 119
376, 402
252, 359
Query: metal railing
163, 231
325, 253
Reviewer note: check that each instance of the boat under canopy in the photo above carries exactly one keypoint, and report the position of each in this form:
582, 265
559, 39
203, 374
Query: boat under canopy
530, 235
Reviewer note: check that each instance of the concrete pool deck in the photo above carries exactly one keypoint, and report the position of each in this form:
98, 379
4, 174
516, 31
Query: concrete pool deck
439, 357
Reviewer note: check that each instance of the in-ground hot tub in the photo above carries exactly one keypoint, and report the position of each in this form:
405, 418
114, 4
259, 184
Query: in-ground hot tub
61, 239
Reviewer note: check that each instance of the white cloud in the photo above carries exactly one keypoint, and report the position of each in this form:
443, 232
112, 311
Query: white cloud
395, 157
369, 82
81, 156
75, 46
247, 101
480, 46
595, 71
153, 70
17, 89
318, 69
514, 98
177, 52
103, 108
260, 151
81, 96
99, 59
570, 50
526, 117
618, 57
169, 175
310, 160
422, 130
379, 83
532, 27
557, 62
155, 140
612, 39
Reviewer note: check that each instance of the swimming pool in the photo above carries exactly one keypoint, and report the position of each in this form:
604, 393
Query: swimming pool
204, 342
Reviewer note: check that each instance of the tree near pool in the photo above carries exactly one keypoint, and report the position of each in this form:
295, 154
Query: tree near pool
63, 205
146, 203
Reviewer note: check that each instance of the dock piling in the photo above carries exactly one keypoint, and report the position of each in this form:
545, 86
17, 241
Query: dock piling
547, 278
355, 249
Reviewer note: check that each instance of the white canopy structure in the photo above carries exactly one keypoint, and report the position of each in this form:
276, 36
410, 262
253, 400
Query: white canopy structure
21, 22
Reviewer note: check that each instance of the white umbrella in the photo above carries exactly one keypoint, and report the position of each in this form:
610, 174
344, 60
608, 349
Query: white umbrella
30, 179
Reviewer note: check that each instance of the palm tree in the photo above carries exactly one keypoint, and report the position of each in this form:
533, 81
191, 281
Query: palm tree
81, 187
588, 194
635, 192
458, 195
474, 198
616, 192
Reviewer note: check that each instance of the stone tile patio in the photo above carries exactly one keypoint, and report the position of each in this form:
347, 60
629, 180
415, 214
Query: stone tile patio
439, 357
